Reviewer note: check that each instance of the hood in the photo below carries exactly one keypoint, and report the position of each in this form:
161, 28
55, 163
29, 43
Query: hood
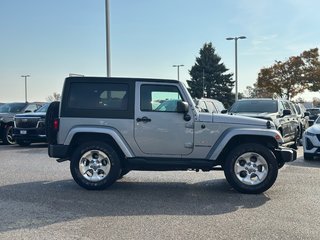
233, 119
31, 115
6, 117
265, 115
315, 129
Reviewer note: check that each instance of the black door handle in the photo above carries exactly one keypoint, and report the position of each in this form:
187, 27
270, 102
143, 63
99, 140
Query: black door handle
143, 119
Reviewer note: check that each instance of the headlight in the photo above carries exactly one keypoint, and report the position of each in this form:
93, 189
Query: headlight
310, 134
270, 125
1, 119
273, 126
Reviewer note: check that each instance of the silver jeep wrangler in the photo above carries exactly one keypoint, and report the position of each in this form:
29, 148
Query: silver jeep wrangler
107, 127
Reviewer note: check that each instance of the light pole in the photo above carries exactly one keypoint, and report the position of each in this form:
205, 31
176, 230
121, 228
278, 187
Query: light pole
25, 86
203, 82
178, 67
108, 38
236, 60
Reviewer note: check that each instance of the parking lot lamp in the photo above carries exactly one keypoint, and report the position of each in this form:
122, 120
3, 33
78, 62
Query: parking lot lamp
178, 67
108, 38
236, 60
25, 87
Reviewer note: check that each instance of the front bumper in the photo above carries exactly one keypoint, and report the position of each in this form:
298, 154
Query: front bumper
311, 144
30, 134
284, 154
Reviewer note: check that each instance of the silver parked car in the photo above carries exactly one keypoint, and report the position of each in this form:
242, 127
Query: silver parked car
209, 105
107, 127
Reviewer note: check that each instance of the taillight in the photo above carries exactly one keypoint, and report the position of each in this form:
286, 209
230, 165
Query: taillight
56, 124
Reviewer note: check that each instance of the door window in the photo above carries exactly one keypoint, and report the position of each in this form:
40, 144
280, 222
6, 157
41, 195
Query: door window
286, 105
211, 108
202, 106
157, 98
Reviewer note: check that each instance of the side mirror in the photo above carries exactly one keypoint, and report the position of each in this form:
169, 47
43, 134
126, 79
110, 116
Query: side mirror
182, 107
224, 111
307, 114
286, 112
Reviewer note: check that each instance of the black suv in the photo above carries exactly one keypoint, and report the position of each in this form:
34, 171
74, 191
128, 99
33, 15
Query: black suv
281, 112
7, 113
314, 114
30, 127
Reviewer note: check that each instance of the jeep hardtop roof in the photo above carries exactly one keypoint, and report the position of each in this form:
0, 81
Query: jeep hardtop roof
98, 79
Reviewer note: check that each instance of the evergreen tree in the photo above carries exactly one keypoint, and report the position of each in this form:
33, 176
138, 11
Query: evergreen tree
209, 78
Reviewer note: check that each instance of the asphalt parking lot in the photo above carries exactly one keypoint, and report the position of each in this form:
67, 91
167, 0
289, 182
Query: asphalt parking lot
39, 200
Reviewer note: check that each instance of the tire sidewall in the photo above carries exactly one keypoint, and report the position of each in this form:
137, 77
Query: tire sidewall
109, 179
261, 150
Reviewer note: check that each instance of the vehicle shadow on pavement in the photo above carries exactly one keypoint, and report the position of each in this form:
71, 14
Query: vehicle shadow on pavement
33, 145
315, 163
37, 204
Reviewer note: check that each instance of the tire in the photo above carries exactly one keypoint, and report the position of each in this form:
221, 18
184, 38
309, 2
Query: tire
301, 131
7, 137
308, 156
296, 140
248, 160
95, 165
23, 143
51, 115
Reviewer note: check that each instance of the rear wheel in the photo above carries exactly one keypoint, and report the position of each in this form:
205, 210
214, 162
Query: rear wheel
95, 165
251, 168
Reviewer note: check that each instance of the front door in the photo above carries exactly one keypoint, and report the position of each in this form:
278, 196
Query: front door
159, 128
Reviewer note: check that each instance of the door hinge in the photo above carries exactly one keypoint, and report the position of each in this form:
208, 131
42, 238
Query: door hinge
189, 125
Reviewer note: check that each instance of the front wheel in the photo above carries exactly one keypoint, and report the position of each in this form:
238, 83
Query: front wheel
251, 168
95, 165
7, 137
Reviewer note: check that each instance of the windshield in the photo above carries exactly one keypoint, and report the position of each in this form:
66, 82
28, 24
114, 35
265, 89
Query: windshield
44, 108
12, 107
255, 106
314, 111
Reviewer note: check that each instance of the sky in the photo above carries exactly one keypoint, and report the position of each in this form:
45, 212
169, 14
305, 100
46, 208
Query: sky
49, 40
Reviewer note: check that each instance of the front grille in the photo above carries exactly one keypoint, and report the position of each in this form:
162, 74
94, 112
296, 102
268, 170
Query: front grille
309, 144
26, 122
